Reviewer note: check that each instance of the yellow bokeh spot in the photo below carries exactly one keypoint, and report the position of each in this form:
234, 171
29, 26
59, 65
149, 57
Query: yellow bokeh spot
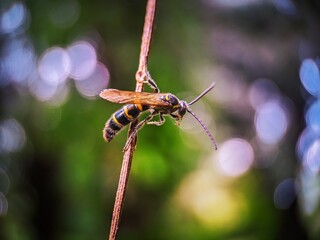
211, 200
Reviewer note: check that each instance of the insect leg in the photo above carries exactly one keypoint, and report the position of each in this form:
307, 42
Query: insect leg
176, 117
136, 129
158, 123
152, 83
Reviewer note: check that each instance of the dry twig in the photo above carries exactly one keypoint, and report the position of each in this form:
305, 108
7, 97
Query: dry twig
141, 76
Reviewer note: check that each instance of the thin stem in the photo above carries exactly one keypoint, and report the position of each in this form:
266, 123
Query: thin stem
119, 201
142, 72
141, 76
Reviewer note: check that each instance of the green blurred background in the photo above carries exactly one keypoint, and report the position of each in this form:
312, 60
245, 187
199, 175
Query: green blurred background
58, 177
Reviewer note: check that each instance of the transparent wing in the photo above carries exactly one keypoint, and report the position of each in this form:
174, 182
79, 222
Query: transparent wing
129, 97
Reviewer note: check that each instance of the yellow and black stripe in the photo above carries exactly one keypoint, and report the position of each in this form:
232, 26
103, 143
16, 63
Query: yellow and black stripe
122, 118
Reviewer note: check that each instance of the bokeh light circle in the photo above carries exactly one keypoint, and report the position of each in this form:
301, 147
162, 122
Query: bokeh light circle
91, 87
14, 19
235, 157
306, 139
83, 59
54, 66
261, 91
18, 61
310, 76
313, 115
12, 136
284, 194
311, 158
271, 122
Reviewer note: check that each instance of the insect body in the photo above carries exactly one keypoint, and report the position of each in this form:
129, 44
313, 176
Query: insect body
138, 102
121, 118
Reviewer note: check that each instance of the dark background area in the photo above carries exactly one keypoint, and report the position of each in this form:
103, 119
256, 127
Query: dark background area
58, 177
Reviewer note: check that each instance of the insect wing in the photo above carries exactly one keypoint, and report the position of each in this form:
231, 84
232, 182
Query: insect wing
129, 97
117, 96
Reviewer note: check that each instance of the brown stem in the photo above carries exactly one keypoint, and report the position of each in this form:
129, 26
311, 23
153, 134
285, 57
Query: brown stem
128, 152
119, 201
145, 45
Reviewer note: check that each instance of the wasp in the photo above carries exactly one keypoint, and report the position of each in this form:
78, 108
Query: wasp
157, 103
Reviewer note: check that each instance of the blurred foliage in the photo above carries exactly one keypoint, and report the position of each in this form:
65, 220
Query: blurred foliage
62, 182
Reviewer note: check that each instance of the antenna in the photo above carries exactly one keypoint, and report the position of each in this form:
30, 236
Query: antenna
204, 127
198, 119
203, 93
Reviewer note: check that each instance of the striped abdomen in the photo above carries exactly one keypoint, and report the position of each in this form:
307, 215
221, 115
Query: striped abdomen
122, 118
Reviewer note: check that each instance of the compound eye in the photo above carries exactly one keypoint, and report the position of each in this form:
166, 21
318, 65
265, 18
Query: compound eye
182, 109
182, 112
